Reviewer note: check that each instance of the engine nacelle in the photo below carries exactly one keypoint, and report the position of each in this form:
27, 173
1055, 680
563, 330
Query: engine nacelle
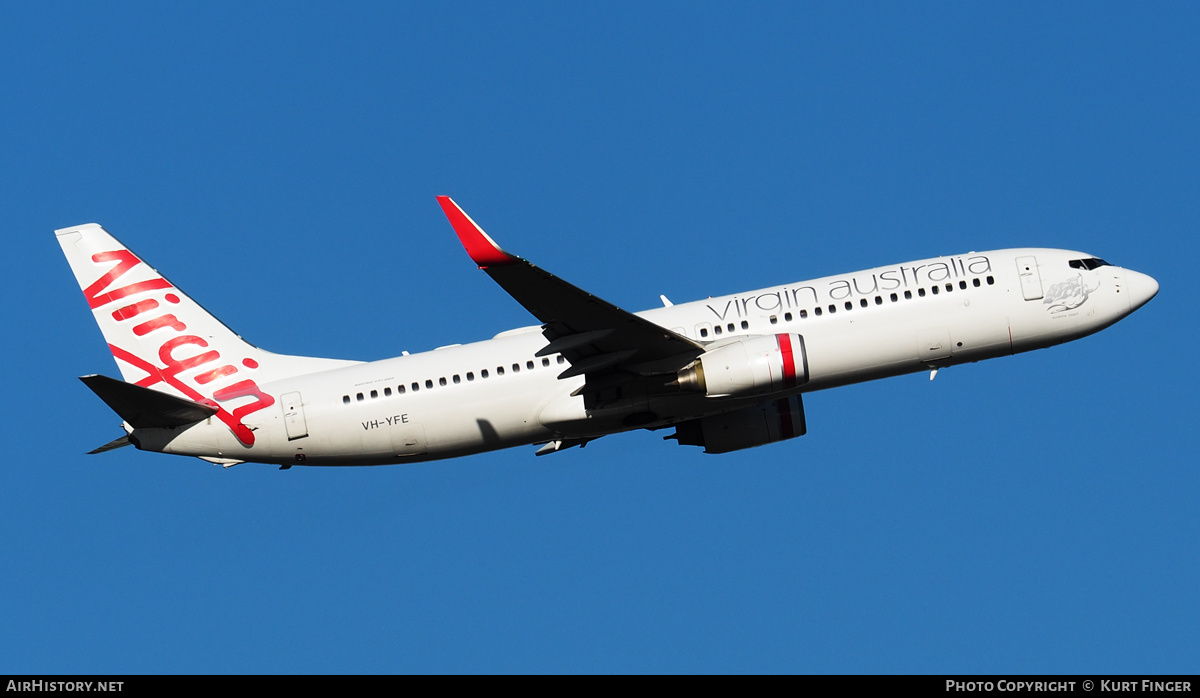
751, 366
766, 423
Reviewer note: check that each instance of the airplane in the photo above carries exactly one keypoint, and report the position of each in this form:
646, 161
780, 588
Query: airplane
727, 373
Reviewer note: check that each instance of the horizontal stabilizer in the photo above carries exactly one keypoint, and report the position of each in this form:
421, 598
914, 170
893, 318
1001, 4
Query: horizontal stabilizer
144, 408
111, 445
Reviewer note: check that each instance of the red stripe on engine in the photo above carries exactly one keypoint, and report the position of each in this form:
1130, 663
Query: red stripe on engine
789, 360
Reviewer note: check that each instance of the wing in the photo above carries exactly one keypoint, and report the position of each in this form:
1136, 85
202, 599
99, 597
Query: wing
599, 339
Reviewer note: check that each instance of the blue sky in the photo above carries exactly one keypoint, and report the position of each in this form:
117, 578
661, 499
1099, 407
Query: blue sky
279, 161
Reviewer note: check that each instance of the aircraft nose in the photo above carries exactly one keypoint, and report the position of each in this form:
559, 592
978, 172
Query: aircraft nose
1141, 289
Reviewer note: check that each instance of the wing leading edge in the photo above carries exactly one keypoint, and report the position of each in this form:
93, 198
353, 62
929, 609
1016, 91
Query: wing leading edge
599, 339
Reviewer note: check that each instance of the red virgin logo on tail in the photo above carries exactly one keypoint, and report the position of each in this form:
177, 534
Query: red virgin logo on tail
178, 352
125, 261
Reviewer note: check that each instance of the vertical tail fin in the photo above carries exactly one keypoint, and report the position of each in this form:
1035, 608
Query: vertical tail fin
164, 340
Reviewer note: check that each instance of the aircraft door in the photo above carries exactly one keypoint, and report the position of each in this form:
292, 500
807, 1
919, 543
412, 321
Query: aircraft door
1031, 279
293, 416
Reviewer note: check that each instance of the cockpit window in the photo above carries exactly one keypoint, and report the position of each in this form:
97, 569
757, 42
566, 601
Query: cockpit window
1089, 263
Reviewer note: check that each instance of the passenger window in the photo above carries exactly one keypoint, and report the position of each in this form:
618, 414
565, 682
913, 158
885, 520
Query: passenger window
878, 300
545, 362
374, 394
745, 325
949, 287
832, 308
990, 281
561, 360
428, 383
470, 376
921, 292
703, 331
387, 392
817, 311
456, 379
400, 389
729, 327
908, 295
499, 370
934, 289
962, 285
893, 298
483, 373
345, 399
774, 320
529, 365
788, 316
717, 330
442, 381
359, 397
975, 283
416, 387
516, 368
863, 302
849, 305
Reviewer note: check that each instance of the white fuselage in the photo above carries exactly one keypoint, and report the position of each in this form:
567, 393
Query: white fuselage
496, 393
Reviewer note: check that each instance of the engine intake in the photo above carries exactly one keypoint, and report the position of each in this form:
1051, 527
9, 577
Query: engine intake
751, 366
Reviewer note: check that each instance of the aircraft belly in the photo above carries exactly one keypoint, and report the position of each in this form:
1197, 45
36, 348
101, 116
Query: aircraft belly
207, 438
849, 357
485, 425
844, 357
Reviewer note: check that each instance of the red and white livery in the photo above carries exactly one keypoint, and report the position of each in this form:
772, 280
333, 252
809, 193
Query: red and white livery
726, 373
